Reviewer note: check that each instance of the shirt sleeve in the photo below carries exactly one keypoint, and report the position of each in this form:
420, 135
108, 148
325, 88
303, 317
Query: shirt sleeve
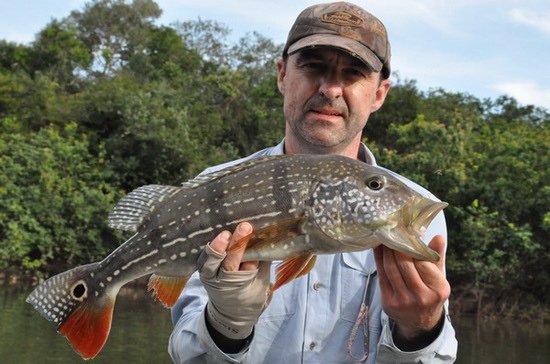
442, 350
190, 341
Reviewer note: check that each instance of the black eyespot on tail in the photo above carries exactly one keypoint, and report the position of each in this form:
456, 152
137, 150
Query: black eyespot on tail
79, 291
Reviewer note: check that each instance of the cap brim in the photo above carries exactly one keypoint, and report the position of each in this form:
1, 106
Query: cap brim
351, 46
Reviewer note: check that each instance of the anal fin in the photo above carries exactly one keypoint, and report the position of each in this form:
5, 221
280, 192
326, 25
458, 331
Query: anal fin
166, 289
293, 268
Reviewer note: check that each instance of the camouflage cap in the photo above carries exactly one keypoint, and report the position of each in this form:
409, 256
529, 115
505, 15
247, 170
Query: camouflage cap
344, 26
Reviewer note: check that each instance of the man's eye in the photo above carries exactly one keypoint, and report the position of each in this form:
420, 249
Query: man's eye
355, 72
314, 66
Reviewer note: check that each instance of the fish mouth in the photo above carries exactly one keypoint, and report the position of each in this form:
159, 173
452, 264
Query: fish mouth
409, 225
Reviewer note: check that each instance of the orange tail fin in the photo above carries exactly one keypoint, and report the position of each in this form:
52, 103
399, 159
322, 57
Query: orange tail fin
88, 327
80, 309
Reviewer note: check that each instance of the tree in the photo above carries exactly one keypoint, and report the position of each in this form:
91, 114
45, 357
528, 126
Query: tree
54, 199
114, 30
58, 53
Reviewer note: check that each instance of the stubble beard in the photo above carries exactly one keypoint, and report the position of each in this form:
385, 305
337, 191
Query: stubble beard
315, 135
321, 137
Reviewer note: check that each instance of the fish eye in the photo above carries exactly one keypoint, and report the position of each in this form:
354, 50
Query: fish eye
375, 183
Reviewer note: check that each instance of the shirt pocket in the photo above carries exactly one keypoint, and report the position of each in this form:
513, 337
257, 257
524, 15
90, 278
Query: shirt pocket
283, 301
355, 271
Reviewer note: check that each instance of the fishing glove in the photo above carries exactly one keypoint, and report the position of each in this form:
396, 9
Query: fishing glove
236, 298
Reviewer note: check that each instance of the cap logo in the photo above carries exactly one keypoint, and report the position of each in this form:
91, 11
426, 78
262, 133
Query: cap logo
342, 18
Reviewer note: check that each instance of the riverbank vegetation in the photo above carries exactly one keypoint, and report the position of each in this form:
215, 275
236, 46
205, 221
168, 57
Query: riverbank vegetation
104, 101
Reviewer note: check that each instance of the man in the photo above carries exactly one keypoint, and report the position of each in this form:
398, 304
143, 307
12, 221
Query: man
371, 306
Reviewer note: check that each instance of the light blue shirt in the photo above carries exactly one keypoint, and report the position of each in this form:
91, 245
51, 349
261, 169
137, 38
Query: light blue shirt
310, 319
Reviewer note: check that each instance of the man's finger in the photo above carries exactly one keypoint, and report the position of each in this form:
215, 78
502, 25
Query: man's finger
438, 245
252, 265
385, 285
232, 261
221, 242
209, 262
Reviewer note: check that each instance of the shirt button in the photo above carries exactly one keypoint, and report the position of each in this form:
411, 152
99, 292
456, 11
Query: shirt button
317, 286
312, 345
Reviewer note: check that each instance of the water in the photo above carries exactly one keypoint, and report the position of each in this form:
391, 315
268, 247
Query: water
139, 332
501, 342
141, 328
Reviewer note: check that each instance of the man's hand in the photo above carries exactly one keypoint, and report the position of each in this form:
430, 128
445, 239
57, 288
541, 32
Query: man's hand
238, 291
413, 293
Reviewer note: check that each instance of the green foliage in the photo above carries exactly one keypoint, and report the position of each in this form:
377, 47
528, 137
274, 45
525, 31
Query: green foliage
502, 248
114, 30
493, 171
29, 99
58, 52
53, 198
14, 56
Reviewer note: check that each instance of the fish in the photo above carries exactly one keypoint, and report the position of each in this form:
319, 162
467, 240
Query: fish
300, 206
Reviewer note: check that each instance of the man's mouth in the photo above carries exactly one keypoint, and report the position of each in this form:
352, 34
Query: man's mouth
327, 111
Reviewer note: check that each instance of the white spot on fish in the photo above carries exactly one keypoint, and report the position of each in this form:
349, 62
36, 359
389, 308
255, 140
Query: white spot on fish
199, 232
109, 279
116, 272
173, 242
145, 256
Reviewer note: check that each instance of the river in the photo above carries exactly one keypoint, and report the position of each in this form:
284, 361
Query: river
141, 328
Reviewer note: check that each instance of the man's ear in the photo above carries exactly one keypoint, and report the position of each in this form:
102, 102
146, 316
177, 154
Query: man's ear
381, 93
281, 72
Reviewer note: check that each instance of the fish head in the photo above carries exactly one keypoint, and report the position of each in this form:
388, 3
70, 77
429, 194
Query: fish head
377, 207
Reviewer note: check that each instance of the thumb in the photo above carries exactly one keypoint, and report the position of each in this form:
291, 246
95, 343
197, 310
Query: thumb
439, 245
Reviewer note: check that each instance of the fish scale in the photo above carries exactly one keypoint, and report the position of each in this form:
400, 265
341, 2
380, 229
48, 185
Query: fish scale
299, 205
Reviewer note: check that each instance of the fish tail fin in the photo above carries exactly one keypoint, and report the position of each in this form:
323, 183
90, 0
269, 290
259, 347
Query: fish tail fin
80, 313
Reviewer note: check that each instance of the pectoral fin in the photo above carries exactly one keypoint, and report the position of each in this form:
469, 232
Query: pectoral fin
293, 268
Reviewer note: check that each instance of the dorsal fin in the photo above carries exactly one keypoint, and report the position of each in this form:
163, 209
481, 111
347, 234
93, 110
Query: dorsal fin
133, 208
208, 177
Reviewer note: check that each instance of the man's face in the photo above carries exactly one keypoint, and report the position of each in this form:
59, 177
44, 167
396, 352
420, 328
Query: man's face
328, 97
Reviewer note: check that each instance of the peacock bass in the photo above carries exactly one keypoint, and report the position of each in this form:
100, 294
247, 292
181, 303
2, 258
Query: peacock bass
299, 205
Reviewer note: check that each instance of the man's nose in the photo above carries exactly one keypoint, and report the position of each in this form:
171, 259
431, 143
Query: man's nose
331, 87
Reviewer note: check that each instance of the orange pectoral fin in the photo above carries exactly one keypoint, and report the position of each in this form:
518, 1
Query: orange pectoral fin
88, 326
293, 268
166, 289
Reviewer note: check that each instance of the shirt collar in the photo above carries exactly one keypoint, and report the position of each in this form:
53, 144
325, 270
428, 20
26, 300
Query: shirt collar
365, 154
